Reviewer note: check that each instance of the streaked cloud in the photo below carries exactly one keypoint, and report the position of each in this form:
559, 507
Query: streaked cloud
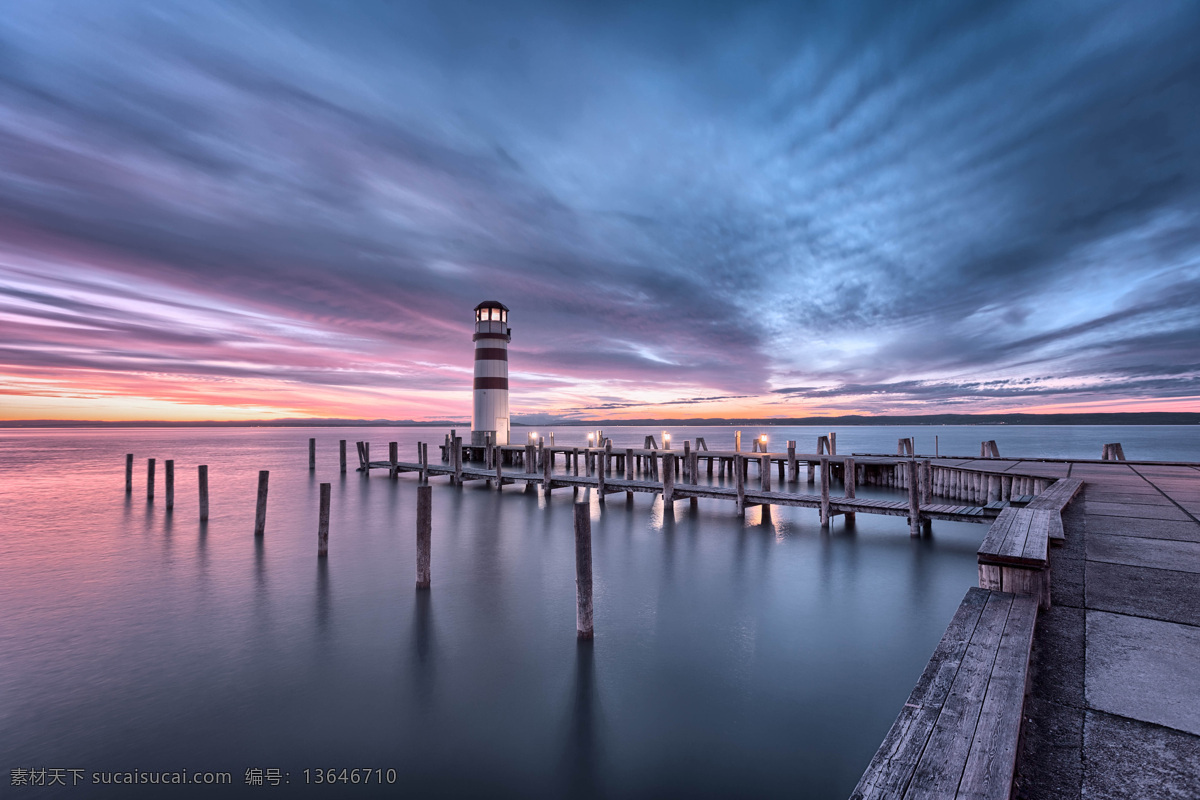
712, 210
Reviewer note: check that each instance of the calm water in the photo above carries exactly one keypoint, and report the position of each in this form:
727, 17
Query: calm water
761, 657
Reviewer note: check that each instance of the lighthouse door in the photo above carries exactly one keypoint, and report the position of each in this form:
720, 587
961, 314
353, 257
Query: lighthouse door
502, 430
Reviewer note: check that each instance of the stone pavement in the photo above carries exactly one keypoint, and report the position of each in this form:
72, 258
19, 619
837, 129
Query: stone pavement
1114, 704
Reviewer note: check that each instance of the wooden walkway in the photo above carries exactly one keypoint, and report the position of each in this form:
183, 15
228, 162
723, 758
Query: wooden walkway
1099, 698
964, 491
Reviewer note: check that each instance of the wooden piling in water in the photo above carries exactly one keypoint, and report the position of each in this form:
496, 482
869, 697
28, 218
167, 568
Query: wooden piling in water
323, 522
424, 533
914, 500
850, 480
764, 472
342, 456
260, 511
312, 454
170, 479
926, 482
366, 448
583, 571
824, 492
150, 479
547, 471
668, 474
457, 446
129, 473
739, 481
202, 472
394, 459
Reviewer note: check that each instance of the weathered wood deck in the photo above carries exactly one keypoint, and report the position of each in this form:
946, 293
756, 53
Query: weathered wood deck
608, 471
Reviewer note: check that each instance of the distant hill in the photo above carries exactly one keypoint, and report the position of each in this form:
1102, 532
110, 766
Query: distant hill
1140, 418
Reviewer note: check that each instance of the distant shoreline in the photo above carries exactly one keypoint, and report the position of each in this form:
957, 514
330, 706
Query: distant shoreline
1136, 418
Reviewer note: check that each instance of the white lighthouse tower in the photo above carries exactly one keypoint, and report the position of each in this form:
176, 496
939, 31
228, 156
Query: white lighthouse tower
492, 336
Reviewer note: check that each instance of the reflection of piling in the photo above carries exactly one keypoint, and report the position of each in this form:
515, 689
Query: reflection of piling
342, 455
583, 570
424, 531
150, 479
129, 473
312, 454
170, 479
203, 475
323, 523
260, 513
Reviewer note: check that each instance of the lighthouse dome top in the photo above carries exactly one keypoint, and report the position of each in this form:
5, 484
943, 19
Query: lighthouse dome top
491, 304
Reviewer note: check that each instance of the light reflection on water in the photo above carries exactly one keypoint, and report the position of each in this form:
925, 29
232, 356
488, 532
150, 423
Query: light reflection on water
732, 657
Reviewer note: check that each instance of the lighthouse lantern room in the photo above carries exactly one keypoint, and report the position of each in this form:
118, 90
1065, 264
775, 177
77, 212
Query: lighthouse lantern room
492, 336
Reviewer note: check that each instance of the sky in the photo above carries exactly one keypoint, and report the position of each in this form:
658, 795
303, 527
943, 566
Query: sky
218, 210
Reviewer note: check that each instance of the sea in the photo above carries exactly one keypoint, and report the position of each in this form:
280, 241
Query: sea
755, 656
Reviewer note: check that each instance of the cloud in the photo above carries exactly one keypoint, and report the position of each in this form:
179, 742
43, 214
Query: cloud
947, 204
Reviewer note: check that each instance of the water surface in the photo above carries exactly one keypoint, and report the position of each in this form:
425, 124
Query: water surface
756, 657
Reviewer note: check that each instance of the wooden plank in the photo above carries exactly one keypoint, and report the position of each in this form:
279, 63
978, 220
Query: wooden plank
892, 766
1037, 541
992, 759
940, 769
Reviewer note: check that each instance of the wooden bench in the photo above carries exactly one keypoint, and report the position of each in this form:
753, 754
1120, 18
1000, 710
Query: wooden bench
1056, 498
957, 735
1015, 554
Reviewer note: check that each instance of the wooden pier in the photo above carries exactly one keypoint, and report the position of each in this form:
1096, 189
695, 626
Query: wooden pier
966, 490
1070, 672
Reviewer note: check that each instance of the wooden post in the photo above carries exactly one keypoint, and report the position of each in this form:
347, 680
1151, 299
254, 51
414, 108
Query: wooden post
792, 472
150, 479
457, 446
809, 471
832, 443
599, 467
936, 452
323, 522
367, 459
914, 500
170, 484
424, 533
499, 466
825, 492
737, 441
993, 488
764, 472
850, 480
393, 459
203, 475
342, 455
739, 481
547, 470
575, 461
927, 482
312, 454
260, 513
583, 571
687, 461
129, 473
668, 479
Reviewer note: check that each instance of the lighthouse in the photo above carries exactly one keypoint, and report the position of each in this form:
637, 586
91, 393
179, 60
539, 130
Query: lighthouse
492, 336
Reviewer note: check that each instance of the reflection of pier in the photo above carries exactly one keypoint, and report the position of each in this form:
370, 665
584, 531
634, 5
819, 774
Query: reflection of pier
967, 490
